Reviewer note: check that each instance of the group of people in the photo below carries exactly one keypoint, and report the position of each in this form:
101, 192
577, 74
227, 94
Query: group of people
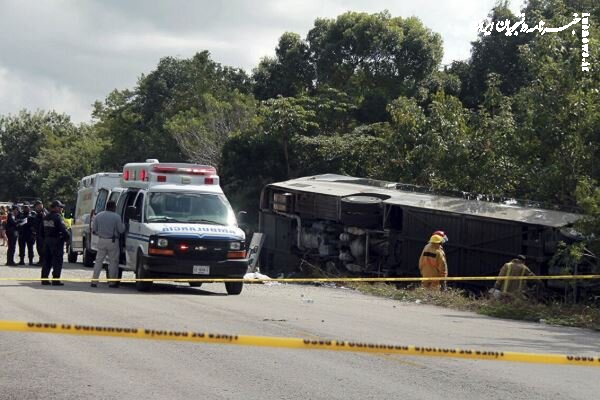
23, 226
46, 230
433, 264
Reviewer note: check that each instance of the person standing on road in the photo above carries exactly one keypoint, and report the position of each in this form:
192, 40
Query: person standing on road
26, 234
55, 234
3, 225
38, 228
432, 262
108, 226
11, 235
515, 267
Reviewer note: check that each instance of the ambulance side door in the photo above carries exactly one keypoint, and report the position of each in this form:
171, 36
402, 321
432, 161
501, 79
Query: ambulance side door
135, 235
126, 199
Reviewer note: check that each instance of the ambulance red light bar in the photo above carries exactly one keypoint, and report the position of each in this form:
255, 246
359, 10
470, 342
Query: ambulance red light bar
193, 170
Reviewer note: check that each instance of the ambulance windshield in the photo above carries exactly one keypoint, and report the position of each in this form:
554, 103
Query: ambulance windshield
202, 208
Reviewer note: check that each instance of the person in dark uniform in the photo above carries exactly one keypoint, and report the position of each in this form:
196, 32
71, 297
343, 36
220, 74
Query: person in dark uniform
12, 235
55, 234
38, 229
26, 235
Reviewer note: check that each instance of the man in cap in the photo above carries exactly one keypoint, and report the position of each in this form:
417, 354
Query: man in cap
25, 222
432, 262
38, 228
515, 267
109, 227
55, 234
12, 235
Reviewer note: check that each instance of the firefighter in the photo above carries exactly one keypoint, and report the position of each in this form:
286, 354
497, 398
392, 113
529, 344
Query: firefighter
432, 262
26, 225
515, 267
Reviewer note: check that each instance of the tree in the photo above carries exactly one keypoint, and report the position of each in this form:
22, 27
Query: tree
21, 138
373, 57
65, 158
289, 74
283, 118
136, 121
201, 134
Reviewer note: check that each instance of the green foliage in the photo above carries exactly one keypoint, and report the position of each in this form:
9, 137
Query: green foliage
517, 308
167, 107
65, 157
44, 155
289, 74
201, 134
373, 57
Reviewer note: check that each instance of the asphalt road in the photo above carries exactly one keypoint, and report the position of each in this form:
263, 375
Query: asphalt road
34, 365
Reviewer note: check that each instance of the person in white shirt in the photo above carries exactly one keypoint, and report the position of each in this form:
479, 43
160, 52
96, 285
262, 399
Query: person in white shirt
108, 226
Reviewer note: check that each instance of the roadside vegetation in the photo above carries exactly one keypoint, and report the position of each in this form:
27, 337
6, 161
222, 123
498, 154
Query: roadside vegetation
553, 313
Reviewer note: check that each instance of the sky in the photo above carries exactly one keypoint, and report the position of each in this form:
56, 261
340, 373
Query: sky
66, 54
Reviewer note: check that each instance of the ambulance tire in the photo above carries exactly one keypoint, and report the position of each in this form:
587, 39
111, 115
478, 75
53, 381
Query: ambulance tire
141, 274
72, 257
195, 284
88, 257
234, 287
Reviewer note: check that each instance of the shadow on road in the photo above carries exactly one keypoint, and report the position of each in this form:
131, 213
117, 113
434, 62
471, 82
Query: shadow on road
561, 338
124, 288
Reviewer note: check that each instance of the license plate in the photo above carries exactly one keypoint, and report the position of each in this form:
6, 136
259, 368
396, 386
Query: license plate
201, 269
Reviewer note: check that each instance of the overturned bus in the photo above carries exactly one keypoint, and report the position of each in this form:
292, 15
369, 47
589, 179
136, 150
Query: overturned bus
349, 226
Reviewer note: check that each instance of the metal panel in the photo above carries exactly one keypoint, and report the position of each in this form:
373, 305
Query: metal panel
278, 233
488, 245
314, 205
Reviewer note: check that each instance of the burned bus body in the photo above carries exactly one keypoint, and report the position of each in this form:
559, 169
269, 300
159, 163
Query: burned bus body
359, 227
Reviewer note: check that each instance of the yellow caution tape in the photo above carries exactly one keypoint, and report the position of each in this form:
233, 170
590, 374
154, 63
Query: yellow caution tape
297, 343
308, 280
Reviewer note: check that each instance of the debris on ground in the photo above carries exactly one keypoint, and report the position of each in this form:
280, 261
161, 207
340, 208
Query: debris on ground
258, 275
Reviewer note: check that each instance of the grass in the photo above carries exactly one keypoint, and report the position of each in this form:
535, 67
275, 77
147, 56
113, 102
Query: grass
577, 315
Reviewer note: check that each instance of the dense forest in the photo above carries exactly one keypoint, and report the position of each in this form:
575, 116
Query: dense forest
363, 95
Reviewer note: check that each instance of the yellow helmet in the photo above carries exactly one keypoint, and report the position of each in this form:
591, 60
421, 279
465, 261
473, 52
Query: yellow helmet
436, 239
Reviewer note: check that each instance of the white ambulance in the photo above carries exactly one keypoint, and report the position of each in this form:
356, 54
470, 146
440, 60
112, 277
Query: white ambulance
92, 192
179, 225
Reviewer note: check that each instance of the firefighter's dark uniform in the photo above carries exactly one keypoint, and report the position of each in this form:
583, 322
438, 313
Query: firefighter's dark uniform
26, 236
11, 235
55, 234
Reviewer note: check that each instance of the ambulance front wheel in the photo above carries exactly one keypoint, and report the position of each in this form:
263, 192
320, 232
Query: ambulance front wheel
234, 287
141, 286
